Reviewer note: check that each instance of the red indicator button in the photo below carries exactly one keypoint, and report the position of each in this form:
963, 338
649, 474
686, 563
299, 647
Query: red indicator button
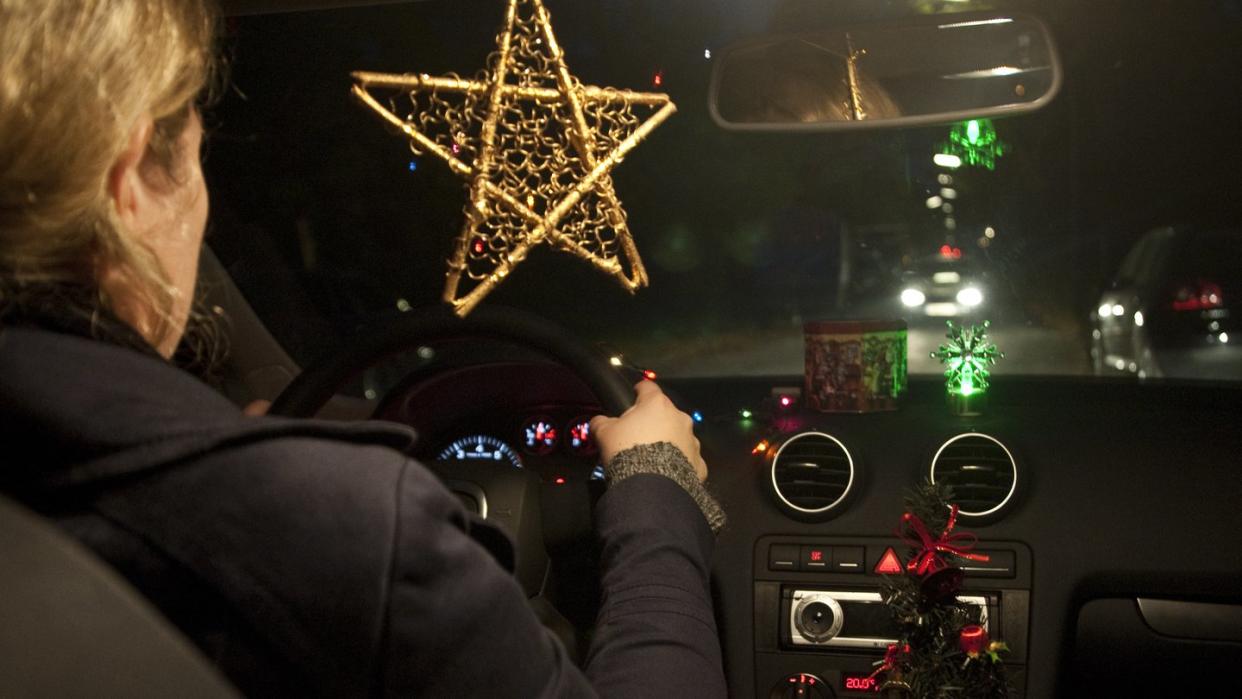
889, 563
815, 558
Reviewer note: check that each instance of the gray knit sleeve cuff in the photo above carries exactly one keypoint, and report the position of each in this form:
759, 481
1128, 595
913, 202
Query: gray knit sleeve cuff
664, 459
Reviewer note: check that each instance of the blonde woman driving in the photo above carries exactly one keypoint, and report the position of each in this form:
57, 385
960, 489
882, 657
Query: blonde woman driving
302, 557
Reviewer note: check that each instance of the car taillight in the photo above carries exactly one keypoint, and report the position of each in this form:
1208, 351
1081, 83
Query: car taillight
1198, 297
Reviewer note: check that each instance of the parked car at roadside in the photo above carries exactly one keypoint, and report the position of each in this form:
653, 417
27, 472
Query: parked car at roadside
1169, 311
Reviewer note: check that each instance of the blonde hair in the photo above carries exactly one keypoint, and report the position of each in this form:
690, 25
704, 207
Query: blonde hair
76, 77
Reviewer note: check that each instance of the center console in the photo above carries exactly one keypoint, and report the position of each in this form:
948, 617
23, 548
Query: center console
821, 625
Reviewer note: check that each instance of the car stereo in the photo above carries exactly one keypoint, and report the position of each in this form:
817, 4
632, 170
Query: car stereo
847, 618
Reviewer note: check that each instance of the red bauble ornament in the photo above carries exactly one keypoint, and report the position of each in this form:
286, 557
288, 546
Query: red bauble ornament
973, 640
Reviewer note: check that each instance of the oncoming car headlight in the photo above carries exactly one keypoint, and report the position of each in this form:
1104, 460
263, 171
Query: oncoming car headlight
912, 297
970, 296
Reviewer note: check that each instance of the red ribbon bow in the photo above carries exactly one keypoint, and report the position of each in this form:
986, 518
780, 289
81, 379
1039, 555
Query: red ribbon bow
894, 655
928, 560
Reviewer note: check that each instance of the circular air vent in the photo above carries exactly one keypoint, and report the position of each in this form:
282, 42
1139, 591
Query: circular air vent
981, 471
812, 473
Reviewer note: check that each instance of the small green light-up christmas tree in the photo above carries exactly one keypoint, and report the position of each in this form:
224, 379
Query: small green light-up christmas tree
967, 356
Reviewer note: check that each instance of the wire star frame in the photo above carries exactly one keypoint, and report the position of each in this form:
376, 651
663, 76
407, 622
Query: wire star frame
536, 147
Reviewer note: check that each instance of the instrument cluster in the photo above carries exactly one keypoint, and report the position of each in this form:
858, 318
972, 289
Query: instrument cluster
555, 443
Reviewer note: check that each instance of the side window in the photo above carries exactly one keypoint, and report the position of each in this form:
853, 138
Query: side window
1129, 271
1156, 255
1143, 261
1214, 257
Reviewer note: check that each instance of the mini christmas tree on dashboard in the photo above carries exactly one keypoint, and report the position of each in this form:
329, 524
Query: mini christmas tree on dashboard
944, 649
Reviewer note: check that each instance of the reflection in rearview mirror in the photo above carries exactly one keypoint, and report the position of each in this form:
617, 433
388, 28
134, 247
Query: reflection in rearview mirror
938, 69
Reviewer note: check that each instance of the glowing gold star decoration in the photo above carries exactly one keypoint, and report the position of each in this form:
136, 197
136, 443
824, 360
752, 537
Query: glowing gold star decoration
536, 148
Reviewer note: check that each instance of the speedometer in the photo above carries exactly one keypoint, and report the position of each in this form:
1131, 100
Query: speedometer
480, 447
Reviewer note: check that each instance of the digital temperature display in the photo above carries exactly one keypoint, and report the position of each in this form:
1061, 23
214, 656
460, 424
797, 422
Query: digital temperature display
859, 682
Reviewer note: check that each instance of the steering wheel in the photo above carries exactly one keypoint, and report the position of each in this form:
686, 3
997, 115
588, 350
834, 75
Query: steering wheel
510, 497
319, 382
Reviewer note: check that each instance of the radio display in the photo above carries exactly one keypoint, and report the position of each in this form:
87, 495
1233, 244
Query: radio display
859, 682
868, 620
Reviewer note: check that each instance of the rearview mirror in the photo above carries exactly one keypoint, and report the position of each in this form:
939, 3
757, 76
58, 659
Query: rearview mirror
931, 70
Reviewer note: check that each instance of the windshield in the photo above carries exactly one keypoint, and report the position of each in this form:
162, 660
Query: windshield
328, 221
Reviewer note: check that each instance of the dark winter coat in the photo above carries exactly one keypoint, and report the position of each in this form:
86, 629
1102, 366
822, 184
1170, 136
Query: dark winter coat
315, 557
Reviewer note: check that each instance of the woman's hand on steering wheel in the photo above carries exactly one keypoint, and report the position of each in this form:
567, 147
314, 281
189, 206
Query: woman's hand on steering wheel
653, 418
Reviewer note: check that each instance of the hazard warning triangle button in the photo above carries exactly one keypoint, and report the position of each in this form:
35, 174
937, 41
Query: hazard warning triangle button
889, 563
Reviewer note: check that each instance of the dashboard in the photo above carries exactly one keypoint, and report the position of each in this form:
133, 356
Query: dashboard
1117, 507
1106, 536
